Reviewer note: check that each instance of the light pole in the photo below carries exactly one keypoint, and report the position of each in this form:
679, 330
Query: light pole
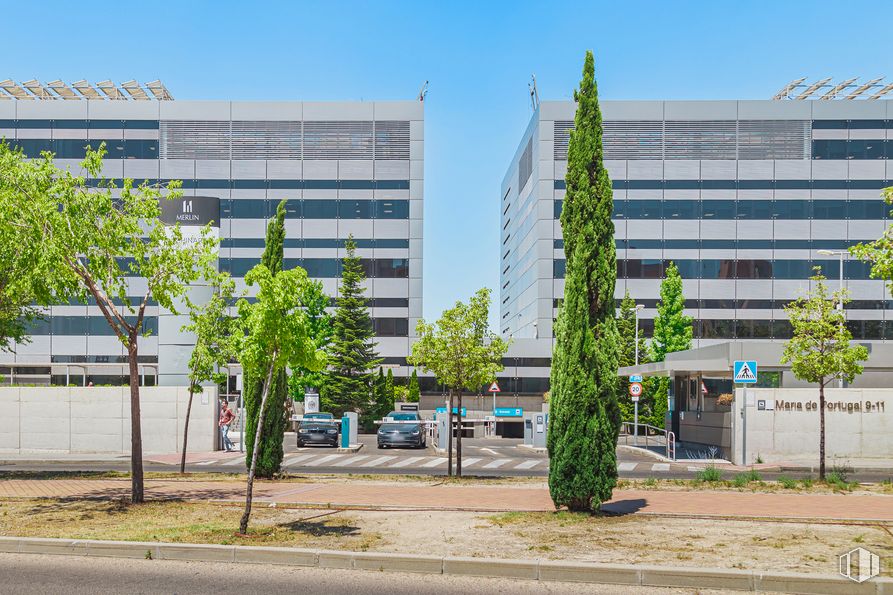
840, 253
636, 401
638, 307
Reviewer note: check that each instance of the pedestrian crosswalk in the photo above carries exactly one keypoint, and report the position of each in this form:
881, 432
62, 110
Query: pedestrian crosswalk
323, 460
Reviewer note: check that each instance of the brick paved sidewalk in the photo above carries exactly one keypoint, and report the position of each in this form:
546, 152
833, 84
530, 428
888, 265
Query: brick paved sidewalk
473, 498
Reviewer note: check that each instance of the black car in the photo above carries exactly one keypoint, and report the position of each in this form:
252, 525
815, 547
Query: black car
407, 429
318, 428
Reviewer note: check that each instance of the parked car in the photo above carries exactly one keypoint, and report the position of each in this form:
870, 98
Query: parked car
318, 428
407, 429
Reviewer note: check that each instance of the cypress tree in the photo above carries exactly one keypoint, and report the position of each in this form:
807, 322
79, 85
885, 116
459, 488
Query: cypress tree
672, 332
414, 391
584, 419
353, 356
269, 459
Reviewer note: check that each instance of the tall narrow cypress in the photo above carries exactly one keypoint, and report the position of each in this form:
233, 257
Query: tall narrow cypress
269, 459
584, 417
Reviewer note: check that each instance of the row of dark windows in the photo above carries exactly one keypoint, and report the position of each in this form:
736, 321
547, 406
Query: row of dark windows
314, 243
102, 359
81, 124
851, 124
293, 184
743, 184
77, 148
325, 268
320, 208
727, 328
750, 304
731, 269
98, 326
762, 209
730, 244
852, 149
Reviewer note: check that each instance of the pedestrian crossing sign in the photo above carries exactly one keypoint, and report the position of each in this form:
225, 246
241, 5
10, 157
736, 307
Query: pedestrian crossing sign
745, 372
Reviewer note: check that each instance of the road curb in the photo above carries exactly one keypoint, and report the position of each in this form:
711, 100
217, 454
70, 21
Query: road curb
542, 570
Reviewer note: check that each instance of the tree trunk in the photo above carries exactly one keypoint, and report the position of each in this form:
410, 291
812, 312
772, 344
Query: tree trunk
459, 437
136, 436
186, 429
450, 436
822, 430
243, 524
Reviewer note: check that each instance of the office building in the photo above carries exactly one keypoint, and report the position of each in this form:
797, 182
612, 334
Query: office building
345, 168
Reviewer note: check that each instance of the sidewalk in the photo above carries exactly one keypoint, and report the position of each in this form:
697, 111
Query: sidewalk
862, 507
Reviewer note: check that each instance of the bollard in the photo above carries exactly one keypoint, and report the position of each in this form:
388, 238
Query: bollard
345, 432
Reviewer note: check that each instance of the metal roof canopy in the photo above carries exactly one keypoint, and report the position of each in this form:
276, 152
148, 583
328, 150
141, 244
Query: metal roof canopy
800, 91
718, 360
58, 89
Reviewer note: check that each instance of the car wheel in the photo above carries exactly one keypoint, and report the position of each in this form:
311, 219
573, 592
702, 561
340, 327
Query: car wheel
300, 445
382, 446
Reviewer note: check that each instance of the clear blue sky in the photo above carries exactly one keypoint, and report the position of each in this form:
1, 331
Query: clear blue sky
478, 57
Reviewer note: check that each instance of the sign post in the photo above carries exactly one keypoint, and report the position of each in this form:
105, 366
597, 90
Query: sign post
635, 390
744, 372
494, 388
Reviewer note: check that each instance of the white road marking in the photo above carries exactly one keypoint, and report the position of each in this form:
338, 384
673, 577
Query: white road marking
627, 466
407, 462
660, 467
208, 462
321, 460
527, 464
435, 462
235, 462
378, 461
496, 463
694, 469
470, 462
293, 460
491, 451
349, 461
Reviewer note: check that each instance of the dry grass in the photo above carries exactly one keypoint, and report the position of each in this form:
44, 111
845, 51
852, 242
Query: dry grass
180, 522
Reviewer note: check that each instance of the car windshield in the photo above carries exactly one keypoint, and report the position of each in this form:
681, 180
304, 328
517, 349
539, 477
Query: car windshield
396, 416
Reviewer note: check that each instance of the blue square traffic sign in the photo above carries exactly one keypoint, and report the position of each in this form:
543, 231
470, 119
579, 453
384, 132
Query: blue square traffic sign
745, 372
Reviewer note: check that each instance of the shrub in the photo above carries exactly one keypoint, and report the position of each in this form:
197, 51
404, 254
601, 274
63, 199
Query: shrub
787, 483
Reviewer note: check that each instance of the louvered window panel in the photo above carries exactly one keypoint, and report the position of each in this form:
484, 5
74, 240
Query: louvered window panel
774, 139
525, 165
561, 137
266, 140
633, 140
702, 139
338, 140
391, 140
189, 139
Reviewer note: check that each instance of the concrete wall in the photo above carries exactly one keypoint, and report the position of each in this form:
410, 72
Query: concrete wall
97, 420
858, 426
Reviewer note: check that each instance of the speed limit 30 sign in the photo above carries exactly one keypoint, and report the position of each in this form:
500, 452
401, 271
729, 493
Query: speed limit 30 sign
635, 389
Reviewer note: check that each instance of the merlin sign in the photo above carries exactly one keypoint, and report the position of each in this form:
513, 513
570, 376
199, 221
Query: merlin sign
191, 211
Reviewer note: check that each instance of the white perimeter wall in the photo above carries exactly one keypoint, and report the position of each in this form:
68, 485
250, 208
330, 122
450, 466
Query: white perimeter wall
97, 419
856, 437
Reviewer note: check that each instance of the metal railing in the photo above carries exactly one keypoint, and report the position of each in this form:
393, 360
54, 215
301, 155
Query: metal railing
647, 436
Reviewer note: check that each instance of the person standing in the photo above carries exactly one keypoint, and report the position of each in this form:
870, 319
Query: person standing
226, 418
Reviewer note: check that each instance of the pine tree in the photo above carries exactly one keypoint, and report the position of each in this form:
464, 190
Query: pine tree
626, 329
584, 419
269, 459
389, 387
414, 391
672, 332
353, 356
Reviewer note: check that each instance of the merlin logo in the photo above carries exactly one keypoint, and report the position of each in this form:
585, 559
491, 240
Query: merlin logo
859, 565
187, 206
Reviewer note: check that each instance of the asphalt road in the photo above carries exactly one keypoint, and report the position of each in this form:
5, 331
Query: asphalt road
482, 457
28, 574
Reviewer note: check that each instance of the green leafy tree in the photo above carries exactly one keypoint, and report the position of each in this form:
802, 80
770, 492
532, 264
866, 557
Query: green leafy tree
271, 452
626, 328
353, 357
820, 350
84, 242
401, 393
672, 332
213, 327
321, 329
879, 252
462, 352
272, 334
384, 400
414, 391
584, 416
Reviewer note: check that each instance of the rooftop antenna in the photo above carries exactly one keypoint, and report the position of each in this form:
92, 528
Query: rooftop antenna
534, 93
423, 92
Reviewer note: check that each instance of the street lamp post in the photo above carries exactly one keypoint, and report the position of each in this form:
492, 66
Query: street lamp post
636, 401
638, 307
840, 253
